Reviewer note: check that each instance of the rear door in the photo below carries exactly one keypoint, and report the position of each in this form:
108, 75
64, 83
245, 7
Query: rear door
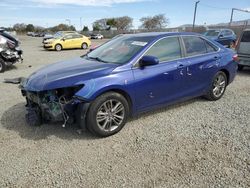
77, 41
226, 37
203, 60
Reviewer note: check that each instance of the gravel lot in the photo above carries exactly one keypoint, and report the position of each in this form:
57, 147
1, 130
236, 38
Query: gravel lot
192, 144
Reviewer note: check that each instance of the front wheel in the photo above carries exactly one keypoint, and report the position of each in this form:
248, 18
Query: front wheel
58, 47
218, 87
84, 46
107, 114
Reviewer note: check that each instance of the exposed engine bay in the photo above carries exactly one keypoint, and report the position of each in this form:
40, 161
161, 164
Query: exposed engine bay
57, 105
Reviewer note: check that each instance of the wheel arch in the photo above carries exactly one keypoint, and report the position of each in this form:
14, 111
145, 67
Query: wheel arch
92, 96
123, 93
227, 74
58, 44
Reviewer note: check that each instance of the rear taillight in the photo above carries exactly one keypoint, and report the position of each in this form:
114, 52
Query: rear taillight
236, 58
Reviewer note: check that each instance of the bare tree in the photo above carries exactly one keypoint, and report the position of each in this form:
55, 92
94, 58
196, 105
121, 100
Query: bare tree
156, 22
101, 24
19, 27
123, 23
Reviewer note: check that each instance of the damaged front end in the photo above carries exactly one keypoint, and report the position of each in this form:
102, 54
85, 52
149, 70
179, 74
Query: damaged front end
58, 105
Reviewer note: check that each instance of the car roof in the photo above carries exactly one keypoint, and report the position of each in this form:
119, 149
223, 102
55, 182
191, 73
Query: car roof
161, 34
220, 29
248, 29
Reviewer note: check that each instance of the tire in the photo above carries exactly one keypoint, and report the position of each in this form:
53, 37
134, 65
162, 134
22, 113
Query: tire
58, 47
84, 46
218, 86
2, 66
103, 113
240, 67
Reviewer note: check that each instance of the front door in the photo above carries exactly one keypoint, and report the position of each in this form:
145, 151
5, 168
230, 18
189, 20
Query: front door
161, 83
67, 41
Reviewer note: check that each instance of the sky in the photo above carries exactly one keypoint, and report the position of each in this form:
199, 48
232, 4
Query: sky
47, 13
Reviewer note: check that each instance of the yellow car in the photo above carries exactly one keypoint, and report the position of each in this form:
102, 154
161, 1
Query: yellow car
67, 41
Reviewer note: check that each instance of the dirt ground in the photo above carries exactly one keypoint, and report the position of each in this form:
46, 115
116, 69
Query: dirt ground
192, 144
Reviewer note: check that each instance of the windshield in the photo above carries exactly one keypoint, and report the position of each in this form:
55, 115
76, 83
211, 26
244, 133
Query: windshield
119, 50
58, 35
212, 33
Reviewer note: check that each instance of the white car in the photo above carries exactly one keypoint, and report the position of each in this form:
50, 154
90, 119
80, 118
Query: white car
96, 36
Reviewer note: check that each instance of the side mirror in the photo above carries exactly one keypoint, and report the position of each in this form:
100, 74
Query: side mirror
221, 36
63, 39
148, 61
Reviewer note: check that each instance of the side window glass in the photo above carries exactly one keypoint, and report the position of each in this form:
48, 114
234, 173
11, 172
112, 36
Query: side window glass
223, 33
210, 47
166, 49
246, 36
68, 37
228, 33
75, 36
194, 45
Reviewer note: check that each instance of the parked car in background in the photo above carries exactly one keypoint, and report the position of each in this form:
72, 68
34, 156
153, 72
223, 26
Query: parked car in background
57, 34
10, 53
130, 74
226, 37
96, 36
29, 33
67, 41
243, 49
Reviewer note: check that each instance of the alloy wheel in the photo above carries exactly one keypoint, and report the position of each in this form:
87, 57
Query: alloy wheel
110, 115
219, 85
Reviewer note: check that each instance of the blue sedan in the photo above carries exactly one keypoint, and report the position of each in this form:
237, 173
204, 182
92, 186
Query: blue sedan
128, 75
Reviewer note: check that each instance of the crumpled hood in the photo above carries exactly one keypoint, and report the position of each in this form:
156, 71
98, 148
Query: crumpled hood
66, 74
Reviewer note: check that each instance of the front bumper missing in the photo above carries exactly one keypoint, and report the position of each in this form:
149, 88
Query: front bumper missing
39, 112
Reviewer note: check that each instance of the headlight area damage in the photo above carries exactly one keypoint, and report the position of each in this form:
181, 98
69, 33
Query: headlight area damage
55, 106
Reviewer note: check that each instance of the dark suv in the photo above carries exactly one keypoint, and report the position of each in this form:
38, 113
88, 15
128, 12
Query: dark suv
226, 37
243, 49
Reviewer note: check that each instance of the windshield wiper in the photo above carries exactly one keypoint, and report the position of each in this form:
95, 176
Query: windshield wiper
97, 59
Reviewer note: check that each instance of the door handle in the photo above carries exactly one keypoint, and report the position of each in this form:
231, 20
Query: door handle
216, 57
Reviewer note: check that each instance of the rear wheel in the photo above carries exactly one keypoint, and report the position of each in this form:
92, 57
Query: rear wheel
107, 114
58, 47
2, 66
240, 67
218, 87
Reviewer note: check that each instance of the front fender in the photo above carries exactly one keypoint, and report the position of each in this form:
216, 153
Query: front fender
119, 81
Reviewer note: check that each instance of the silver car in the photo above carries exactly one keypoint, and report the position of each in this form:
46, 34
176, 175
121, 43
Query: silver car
243, 49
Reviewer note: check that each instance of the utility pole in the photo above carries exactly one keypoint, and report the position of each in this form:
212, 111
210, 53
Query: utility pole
196, 3
232, 14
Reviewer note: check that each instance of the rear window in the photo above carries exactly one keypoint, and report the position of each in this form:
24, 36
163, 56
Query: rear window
246, 36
